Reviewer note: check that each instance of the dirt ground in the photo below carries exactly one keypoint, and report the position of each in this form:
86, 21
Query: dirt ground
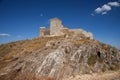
110, 75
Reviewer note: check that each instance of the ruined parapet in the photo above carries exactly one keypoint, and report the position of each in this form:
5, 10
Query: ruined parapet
76, 31
55, 26
42, 31
81, 33
88, 34
65, 31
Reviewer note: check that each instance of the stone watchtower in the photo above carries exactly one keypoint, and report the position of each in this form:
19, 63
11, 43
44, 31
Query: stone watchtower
55, 26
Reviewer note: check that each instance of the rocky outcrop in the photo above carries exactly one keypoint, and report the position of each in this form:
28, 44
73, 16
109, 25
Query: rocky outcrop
63, 58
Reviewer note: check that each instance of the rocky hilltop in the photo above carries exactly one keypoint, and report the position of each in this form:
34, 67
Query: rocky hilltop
58, 54
56, 58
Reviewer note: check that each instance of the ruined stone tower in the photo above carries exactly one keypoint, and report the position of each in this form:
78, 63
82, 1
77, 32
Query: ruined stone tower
55, 26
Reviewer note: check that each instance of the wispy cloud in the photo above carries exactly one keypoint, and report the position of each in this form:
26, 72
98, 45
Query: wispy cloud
115, 4
4, 35
41, 14
106, 7
92, 14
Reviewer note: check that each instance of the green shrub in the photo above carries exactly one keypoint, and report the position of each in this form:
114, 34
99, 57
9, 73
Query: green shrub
92, 60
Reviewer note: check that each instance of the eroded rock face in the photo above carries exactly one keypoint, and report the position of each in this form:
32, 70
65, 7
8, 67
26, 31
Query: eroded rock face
64, 60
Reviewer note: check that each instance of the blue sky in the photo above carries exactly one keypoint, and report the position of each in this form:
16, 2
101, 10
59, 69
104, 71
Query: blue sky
21, 19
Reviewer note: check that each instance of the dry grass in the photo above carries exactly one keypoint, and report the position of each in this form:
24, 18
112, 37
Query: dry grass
82, 41
31, 77
12, 50
25, 76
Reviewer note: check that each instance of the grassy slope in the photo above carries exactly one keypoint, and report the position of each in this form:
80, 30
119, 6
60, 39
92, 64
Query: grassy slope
10, 50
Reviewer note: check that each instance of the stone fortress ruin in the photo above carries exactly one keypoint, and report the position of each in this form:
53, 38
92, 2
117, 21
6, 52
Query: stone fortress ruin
57, 29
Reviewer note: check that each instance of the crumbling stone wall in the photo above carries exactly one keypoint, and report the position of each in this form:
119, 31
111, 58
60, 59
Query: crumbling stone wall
44, 31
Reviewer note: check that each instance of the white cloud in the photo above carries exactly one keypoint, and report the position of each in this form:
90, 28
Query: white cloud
106, 7
4, 35
115, 4
103, 9
104, 13
98, 10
